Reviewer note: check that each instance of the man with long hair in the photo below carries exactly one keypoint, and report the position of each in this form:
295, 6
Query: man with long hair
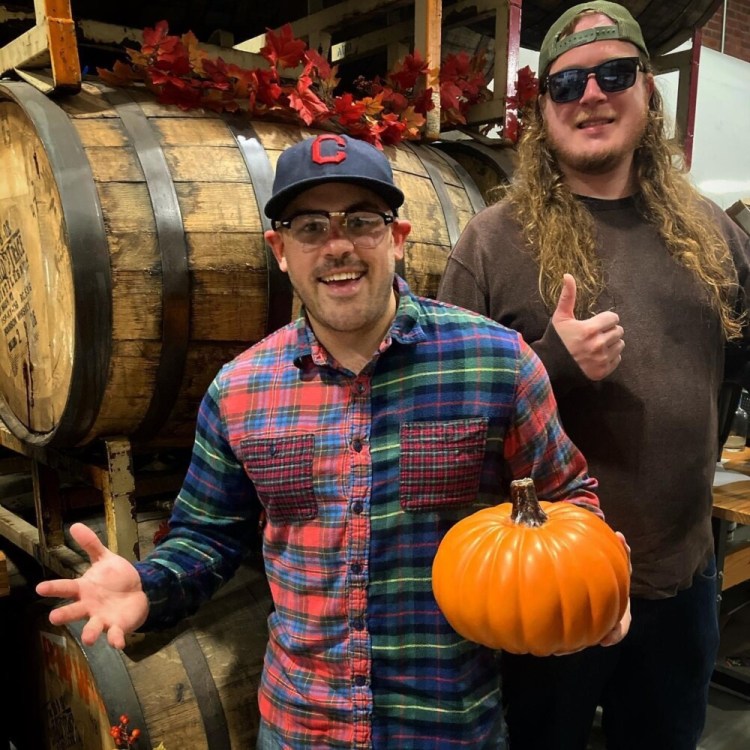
600, 240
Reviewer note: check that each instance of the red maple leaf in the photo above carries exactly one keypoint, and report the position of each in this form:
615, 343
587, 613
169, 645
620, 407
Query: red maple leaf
393, 100
527, 86
392, 129
348, 110
184, 98
450, 96
424, 103
308, 105
153, 38
408, 71
269, 90
321, 66
283, 50
455, 66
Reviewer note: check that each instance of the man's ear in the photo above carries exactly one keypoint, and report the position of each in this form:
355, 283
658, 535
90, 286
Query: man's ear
400, 232
276, 243
650, 85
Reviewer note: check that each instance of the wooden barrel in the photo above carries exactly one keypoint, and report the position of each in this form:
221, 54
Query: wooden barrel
190, 687
490, 166
132, 260
665, 23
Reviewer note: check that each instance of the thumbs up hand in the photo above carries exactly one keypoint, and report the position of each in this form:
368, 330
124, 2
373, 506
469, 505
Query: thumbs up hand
596, 343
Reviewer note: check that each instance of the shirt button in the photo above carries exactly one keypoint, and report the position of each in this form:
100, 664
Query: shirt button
357, 444
356, 568
358, 623
357, 507
361, 388
360, 680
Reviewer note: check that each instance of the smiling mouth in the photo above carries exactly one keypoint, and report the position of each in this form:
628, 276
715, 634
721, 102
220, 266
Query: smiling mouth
595, 122
341, 277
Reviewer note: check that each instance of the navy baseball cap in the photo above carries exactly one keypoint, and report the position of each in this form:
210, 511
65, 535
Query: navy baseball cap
331, 157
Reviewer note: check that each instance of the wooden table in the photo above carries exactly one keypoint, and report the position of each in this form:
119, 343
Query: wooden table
731, 504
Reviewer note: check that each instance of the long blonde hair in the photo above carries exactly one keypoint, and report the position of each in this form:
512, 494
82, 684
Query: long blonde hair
559, 230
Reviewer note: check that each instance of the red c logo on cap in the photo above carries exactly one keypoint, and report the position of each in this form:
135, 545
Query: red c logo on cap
339, 156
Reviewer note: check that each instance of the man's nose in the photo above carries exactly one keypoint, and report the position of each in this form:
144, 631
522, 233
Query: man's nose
338, 242
592, 92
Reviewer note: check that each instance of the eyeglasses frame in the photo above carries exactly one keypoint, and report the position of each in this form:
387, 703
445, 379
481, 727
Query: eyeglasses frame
388, 219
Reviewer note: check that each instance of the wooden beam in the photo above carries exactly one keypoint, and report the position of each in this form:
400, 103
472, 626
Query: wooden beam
428, 17
112, 34
325, 20
29, 49
6, 14
51, 43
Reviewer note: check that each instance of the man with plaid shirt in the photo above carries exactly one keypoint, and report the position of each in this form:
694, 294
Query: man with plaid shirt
363, 431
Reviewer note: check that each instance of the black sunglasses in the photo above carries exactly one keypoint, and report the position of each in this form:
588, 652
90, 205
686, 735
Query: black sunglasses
612, 75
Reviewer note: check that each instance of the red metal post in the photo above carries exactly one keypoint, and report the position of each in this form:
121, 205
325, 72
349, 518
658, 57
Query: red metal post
692, 96
514, 46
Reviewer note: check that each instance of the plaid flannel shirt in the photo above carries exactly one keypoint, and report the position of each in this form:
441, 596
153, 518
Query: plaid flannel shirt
360, 476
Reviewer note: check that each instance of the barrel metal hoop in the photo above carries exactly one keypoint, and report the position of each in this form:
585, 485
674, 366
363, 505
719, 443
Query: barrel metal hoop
86, 235
204, 688
449, 212
114, 684
472, 191
497, 159
280, 294
175, 275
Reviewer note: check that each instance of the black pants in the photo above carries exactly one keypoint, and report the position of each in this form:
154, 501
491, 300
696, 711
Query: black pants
652, 686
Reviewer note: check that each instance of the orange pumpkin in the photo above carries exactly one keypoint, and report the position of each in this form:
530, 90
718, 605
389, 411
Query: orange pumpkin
532, 577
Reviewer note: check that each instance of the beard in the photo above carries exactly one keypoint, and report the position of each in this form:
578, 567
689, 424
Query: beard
604, 161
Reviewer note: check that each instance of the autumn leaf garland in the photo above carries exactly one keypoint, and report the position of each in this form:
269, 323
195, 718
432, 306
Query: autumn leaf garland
380, 111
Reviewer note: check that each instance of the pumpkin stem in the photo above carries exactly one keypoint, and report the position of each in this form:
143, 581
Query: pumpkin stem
526, 508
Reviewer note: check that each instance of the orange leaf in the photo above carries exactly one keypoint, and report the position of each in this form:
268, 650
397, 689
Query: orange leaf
373, 105
413, 121
195, 54
120, 75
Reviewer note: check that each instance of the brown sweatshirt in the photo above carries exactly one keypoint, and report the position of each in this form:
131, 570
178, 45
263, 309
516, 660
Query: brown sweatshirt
648, 430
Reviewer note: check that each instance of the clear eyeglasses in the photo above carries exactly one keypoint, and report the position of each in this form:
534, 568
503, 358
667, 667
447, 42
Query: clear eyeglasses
312, 229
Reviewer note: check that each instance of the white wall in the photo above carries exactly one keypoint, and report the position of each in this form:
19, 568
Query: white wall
721, 146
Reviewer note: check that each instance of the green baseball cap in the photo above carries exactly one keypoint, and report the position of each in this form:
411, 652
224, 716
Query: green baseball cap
626, 28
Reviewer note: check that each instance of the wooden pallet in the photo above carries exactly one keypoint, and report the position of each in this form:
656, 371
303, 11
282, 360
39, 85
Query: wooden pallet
51, 43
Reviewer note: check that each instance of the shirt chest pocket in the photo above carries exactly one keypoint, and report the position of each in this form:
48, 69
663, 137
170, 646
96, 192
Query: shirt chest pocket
441, 463
282, 471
